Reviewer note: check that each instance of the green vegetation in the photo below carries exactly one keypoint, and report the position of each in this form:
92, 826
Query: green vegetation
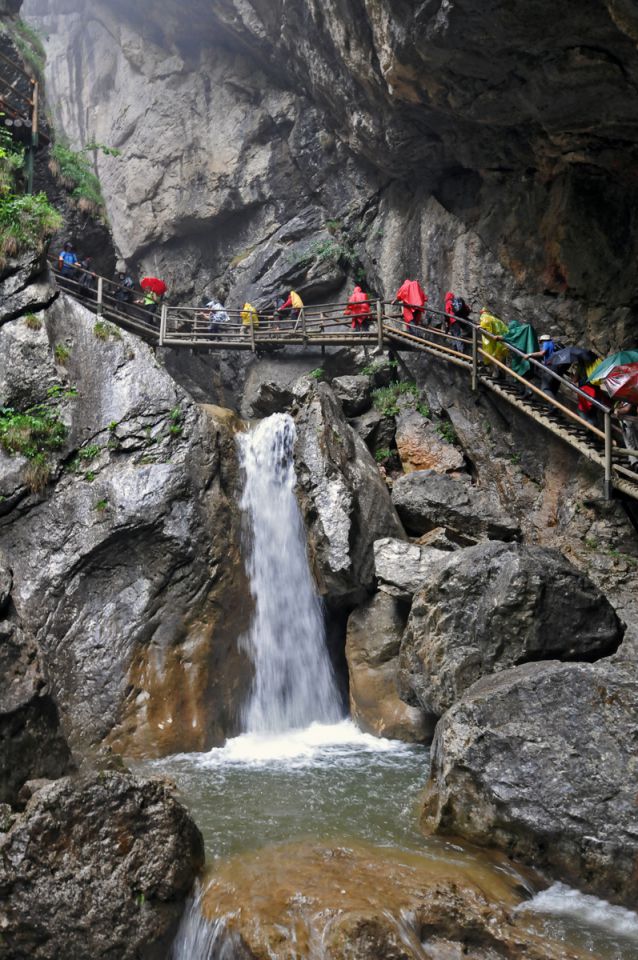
58, 392
377, 365
26, 222
385, 399
103, 330
33, 322
74, 172
515, 458
34, 434
446, 431
29, 44
383, 454
424, 410
175, 427
61, 353
318, 373
101, 505
11, 160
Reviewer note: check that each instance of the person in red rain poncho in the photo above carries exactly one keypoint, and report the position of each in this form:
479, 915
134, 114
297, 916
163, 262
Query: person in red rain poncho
359, 309
413, 298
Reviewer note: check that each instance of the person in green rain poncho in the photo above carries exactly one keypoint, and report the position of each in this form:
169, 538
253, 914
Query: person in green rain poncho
523, 337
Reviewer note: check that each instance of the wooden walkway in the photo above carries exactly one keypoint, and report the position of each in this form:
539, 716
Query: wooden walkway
326, 326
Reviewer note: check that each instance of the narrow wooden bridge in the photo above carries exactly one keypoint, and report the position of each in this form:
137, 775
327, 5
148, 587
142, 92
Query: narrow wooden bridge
327, 326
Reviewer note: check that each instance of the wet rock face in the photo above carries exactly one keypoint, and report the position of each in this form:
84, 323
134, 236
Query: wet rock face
372, 650
417, 907
490, 607
344, 499
420, 447
98, 866
425, 500
31, 743
126, 564
540, 761
401, 567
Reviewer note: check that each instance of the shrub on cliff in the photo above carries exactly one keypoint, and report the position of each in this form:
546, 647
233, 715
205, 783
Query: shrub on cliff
26, 222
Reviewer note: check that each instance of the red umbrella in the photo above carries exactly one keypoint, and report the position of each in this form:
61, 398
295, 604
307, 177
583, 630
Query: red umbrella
621, 382
155, 285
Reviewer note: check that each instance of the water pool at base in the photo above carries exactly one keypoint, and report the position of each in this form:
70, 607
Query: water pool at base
332, 784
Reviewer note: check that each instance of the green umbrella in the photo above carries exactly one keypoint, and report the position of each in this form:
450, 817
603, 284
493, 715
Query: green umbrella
616, 360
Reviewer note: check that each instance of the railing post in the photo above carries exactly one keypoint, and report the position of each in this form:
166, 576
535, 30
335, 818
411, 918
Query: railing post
100, 296
609, 488
474, 359
379, 326
303, 325
322, 329
252, 334
163, 323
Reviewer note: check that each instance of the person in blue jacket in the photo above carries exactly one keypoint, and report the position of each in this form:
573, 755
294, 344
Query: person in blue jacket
68, 261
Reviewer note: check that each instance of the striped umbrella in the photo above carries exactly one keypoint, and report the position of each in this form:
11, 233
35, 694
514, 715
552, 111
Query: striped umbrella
621, 383
615, 360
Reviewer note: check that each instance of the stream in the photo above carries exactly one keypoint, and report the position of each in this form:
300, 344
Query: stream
303, 814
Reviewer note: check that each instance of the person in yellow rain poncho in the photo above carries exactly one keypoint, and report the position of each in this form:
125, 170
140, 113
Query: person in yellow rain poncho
493, 348
249, 317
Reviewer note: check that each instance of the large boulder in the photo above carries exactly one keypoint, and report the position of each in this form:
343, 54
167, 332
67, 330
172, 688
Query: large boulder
96, 867
541, 761
425, 500
345, 501
354, 393
372, 651
422, 447
496, 605
402, 567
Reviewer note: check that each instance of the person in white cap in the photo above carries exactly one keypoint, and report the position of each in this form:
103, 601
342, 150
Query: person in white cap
547, 348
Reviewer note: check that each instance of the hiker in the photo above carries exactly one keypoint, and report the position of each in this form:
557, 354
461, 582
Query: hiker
492, 346
277, 306
456, 309
216, 316
587, 410
413, 297
359, 309
124, 292
86, 277
628, 415
151, 301
546, 350
68, 261
292, 307
249, 318
523, 337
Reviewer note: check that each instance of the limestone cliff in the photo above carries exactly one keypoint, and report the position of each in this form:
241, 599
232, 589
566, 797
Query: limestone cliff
274, 143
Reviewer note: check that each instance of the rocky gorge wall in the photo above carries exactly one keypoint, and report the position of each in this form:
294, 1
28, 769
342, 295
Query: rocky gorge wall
266, 145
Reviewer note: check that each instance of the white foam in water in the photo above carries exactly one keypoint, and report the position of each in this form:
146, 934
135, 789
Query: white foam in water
295, 747
294, 684
560, 900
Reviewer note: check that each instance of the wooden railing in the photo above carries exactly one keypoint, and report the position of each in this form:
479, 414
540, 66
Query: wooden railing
328, 325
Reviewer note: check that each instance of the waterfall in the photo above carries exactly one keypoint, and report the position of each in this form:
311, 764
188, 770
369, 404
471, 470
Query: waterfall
294, 684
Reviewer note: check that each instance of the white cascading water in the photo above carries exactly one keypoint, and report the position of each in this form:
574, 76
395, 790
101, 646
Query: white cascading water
294, 685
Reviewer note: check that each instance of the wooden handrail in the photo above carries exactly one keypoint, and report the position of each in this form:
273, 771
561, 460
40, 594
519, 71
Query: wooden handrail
188, 326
